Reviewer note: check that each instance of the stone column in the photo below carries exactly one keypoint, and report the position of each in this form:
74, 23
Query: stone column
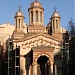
22, 65
42, 17
34, 18
34, 68
55, 25
17, 23
39, 17
29, 17
59, 24
30, 70
21, 23
51, 64
55, 69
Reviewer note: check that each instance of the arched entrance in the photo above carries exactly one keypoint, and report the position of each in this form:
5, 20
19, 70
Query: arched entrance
43, 60
43, 67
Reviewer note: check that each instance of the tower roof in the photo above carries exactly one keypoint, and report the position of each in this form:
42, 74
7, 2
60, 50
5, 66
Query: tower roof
55, 14
19, 13
36, 4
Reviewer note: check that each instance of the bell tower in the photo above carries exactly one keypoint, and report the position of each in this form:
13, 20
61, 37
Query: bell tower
55, 21
36, 17
36, 13
19, 19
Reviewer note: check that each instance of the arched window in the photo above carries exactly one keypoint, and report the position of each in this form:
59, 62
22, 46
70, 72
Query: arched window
16, 23
41, 16
31, 16
53, 25
19, 23
36, 16
56, 24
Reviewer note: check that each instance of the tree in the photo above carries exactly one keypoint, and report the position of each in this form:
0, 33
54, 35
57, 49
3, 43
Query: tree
71, 31
71, 28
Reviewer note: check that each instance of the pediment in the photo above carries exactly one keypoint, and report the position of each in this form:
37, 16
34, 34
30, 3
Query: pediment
29, 36
38, 40
43, 48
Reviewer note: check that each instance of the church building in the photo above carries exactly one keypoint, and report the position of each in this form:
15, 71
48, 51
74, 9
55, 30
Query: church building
34, 48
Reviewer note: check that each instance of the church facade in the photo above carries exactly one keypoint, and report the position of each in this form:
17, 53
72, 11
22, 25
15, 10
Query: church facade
34, 49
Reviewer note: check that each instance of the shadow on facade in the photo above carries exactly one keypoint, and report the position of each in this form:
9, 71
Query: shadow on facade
29, 61
1, 60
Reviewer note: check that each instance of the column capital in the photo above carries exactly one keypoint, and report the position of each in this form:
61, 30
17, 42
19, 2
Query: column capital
51, 63
34, 63
51, 68
35, 68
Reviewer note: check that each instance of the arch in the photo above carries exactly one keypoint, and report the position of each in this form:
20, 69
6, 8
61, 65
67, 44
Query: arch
16, 23
31, 16
43, 65
19, 23
36, 16
43, 54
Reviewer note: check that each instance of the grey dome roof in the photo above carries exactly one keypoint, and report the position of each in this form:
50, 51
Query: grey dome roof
19, 14
55, 14
36, 4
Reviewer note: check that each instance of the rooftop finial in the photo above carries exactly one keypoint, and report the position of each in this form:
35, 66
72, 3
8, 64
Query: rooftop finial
55, 8
19, 6
36, 0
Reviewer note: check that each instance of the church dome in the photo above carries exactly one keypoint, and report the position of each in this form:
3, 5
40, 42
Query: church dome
19, 14
49, 24
36, 4
55, 14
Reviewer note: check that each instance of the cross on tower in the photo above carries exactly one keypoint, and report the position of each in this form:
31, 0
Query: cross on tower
19, 5
55, 8
36, 0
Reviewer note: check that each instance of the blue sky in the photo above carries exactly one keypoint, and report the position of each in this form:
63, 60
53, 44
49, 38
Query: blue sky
8, 8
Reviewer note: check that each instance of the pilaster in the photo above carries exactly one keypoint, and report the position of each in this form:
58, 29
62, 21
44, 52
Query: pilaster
35, 68
51, 68
55, 69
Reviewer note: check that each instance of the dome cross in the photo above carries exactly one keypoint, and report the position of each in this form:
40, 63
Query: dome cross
36, 0
19, 7
55, 8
